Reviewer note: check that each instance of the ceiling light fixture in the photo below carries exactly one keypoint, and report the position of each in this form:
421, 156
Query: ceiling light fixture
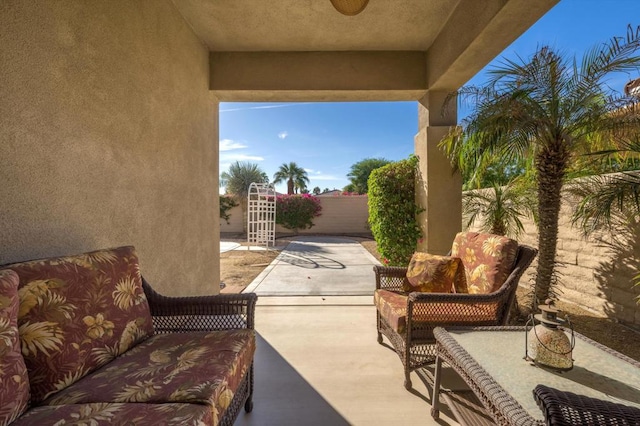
349, 7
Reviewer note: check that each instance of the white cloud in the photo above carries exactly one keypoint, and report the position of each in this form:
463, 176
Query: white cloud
310, 171
283, 135
265, 106
230, 145
239, 157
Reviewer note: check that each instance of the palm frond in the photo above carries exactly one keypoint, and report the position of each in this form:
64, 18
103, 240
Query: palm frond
603, 198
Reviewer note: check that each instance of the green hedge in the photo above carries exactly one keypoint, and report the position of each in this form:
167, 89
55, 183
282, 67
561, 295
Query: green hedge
392, 211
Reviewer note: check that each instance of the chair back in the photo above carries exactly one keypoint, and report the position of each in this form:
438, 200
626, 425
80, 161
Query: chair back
524, 257
487, 258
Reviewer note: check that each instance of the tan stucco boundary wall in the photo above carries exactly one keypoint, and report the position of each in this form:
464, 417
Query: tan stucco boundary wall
596, 272
341, 215
108, 137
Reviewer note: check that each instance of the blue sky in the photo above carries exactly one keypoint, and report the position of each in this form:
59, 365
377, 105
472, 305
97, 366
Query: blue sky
327, 138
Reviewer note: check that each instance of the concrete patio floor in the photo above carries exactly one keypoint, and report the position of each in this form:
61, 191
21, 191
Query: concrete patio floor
318, 363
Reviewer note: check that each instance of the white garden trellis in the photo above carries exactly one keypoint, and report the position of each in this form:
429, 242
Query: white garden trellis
261, 215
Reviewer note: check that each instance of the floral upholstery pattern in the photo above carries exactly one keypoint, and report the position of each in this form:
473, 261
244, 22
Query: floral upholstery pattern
393, 308
98, 414
431, 273
14, 380
199, 368
77, 313
488, 259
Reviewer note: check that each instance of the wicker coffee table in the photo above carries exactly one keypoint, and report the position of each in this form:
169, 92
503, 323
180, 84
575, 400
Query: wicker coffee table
490, 360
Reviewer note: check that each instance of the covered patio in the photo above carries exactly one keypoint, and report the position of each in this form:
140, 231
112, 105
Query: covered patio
110, 110
109, 131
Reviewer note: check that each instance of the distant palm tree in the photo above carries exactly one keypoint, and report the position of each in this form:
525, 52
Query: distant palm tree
240, 176
295, 176
237, 181
546, 108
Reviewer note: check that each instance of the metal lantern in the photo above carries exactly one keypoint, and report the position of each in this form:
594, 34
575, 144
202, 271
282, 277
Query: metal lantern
547, 345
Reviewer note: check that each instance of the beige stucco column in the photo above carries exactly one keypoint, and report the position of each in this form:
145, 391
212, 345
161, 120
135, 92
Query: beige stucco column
439, 189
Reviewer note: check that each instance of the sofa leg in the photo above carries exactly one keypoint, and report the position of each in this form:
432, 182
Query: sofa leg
407, 380
248, 404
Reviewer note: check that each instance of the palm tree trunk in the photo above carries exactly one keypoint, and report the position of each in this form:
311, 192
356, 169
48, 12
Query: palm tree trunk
290, 187
551, 165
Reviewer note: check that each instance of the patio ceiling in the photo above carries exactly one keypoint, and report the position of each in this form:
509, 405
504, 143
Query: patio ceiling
394, 50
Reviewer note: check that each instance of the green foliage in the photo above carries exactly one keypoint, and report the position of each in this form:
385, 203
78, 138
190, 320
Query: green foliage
392, 210
546, 110
317, 190
226, 204
240, 176
295, 176
499, 209
297, 211
607, 200
359, 174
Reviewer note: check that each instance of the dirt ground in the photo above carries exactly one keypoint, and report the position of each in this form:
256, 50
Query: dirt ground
238, 268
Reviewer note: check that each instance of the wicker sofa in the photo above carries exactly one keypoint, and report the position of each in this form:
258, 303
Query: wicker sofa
407, 319
85, 340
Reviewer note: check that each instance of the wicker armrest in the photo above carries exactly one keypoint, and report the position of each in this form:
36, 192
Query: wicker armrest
390, 277
418, 297
200, 313
566, 408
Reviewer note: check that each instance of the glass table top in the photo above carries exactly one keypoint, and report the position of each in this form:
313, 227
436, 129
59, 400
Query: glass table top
595, 373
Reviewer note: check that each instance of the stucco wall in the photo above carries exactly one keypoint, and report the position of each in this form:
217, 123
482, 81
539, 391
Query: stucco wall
340, 215
596, 273
107, 137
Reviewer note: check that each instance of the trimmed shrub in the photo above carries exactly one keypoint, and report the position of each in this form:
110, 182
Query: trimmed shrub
392, 210
227, 202
297, 211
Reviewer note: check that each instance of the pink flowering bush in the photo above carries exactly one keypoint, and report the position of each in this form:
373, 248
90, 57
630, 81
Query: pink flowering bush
297, 211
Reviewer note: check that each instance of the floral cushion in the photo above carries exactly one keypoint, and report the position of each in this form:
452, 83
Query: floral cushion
488, 259
435, 274
198, 367
393, 308
109, 414
14, 380
77, 313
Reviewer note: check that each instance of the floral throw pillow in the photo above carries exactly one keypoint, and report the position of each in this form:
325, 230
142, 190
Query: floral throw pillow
14, 380
77, 313
488, 259
430, 273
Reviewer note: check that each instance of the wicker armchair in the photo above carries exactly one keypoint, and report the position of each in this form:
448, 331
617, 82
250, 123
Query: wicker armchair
566, 408
207, 313
414, 341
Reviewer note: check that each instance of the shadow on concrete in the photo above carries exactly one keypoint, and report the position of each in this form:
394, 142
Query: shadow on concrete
284, 397
309, 261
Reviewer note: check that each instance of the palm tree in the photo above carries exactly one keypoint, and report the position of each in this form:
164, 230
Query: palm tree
546, 108
498, 209
240, 176
294, 175
237, 181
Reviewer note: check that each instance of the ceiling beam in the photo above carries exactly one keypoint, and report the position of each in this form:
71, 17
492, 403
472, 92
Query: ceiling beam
318, 76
